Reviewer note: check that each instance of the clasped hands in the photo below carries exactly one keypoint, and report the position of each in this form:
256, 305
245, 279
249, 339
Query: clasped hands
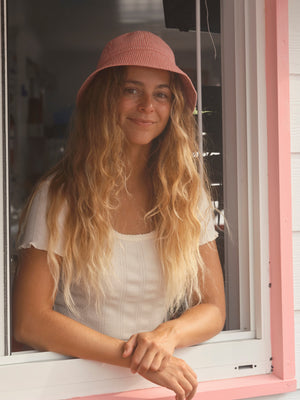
152, 357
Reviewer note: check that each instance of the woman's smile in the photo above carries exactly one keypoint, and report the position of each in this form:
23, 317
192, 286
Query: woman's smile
141, 122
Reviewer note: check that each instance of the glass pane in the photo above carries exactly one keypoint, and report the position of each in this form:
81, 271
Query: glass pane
52, 47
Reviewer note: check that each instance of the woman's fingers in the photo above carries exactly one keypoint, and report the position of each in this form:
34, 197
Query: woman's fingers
146, 353
141, 356
191, 387
141, 361
153, 362
181, 393
177, 376
188, 381
150, 350
129, 346
159, 362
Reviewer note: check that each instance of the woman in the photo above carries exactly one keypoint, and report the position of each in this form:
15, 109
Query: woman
119, 235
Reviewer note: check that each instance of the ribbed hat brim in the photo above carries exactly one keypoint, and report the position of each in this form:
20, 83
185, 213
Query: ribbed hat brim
142, 49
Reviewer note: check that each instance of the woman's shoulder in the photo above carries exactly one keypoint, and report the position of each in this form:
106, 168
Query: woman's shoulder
34, 230
44, 191
41, 190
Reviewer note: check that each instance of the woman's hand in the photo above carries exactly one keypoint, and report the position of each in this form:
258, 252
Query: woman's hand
177, 376
150, 350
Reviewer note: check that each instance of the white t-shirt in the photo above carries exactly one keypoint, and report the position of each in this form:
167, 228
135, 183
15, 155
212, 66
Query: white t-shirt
136, 302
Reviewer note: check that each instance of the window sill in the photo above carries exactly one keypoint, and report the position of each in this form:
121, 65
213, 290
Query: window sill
65, 378
231, 389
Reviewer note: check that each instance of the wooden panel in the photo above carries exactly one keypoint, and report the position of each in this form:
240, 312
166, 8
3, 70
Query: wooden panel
295, 164
294, 36
295, 111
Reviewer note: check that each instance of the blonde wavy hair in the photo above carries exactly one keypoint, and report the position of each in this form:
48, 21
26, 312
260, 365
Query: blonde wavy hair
93, 172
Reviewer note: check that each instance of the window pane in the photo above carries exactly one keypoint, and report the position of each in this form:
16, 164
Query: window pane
53, 47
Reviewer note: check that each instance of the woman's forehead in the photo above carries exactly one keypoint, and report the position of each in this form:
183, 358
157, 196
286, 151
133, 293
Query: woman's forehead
144, 74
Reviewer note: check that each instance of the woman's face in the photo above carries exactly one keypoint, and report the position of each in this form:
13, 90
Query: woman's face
144, 105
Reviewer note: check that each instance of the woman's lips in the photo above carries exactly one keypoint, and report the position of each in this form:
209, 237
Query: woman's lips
141, 122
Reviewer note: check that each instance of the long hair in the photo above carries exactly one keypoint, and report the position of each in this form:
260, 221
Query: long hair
92, 173
180, 182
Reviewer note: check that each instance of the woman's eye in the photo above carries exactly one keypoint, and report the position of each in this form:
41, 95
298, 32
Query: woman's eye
163, 96
129, 91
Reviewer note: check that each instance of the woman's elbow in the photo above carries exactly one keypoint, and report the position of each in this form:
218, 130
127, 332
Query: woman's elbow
22, 330
221, 318
25, 330
221, 323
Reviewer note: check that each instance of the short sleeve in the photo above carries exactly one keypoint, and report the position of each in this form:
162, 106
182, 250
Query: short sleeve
208, 232
35, 231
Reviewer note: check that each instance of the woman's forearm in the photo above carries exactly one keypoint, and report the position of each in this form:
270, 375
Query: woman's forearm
52, 331
151, 350
55, 332
195, 325
205, 320
36, 324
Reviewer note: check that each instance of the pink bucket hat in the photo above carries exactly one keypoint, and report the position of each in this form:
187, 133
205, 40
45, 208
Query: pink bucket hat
143, 49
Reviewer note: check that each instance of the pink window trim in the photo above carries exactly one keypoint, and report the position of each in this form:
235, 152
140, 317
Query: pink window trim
229, 389
280, 227
280, 203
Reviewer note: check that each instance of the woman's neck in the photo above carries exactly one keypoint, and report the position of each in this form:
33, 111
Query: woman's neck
137, 159
136, 200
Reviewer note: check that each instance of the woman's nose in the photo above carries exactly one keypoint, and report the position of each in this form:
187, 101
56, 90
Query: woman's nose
145, 103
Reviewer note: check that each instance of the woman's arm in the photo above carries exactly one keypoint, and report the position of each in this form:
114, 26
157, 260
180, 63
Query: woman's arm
151, 350
205, 320
36, 323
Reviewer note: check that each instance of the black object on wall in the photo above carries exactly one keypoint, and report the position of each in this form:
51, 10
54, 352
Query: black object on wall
181, 14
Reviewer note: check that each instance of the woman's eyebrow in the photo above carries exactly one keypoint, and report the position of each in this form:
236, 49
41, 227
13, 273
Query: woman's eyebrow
134, 82
160, 86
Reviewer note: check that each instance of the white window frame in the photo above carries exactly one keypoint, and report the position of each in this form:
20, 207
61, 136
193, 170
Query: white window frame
230, 354
4, 215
